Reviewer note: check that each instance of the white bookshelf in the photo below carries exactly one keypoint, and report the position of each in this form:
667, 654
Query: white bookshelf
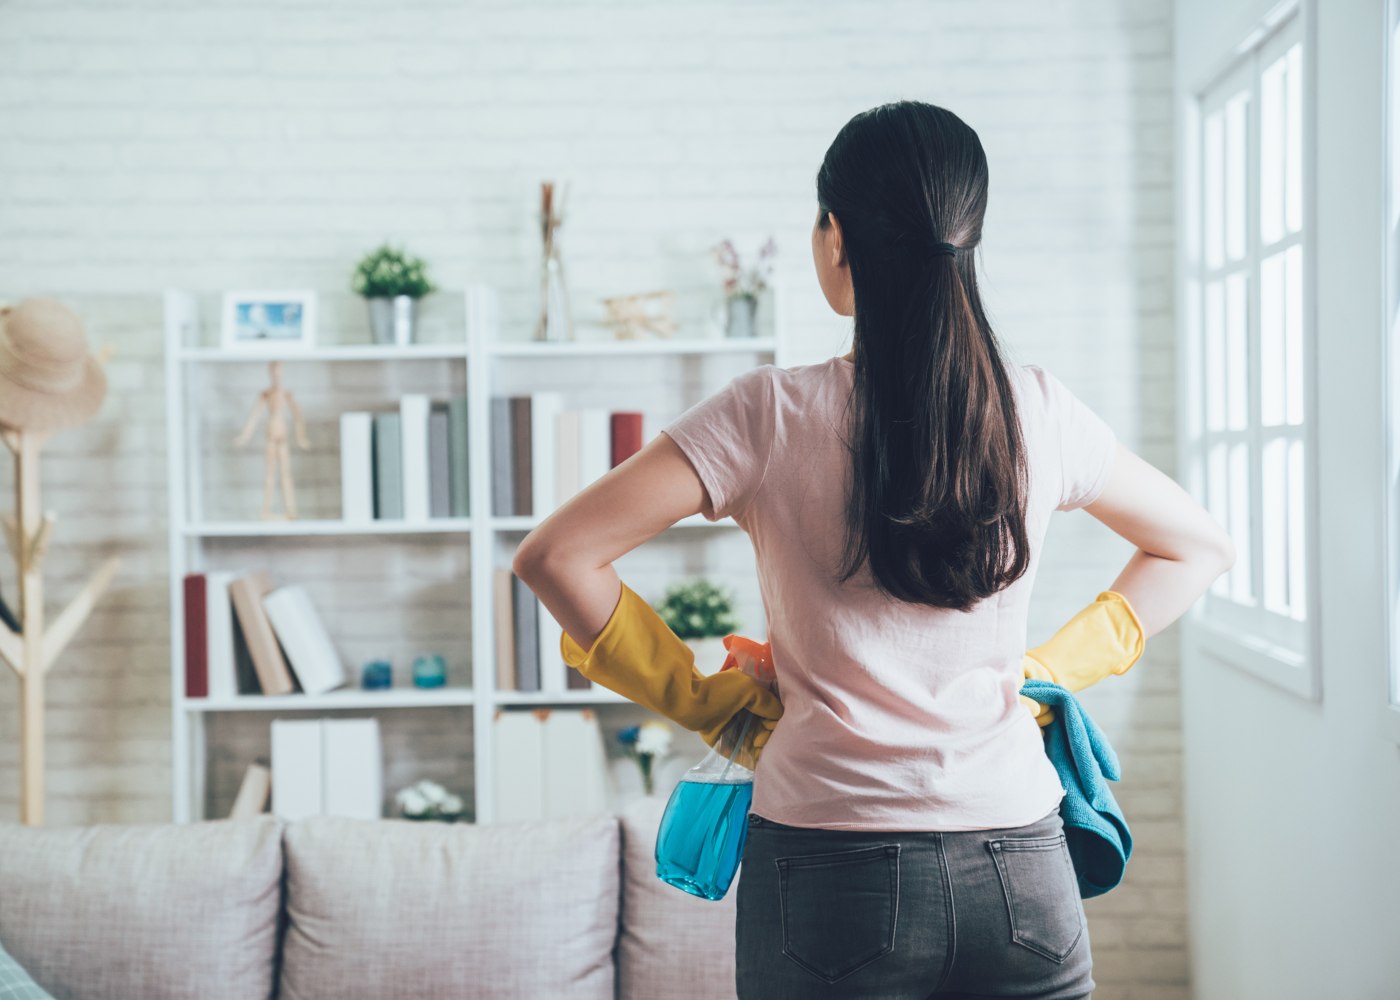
475, 361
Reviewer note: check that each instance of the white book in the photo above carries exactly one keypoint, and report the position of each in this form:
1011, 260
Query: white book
352, 768
296, 768
356, 467
544, 408
310, 652
413, 412
519, 767
566, 482
575, 764
218, 618
553, 676
252, 793
595, 445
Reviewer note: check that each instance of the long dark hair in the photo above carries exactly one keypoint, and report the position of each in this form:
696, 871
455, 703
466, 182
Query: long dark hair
938, 487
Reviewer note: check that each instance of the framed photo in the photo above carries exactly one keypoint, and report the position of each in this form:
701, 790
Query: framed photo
260, 320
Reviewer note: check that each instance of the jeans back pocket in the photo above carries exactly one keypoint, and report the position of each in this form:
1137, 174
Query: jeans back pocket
839, 908
1042, 893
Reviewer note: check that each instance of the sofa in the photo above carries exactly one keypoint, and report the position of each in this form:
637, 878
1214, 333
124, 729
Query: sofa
340, 908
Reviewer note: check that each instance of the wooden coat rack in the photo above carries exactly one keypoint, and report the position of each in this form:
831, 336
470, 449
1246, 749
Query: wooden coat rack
31, 652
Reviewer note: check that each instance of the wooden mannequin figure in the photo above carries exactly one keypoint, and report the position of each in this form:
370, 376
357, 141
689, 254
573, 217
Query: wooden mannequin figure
277, 453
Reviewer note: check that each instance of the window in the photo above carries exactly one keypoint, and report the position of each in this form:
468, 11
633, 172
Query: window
1249, 397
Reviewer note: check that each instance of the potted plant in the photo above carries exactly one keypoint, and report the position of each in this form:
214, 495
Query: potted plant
427, 800
743, 286
702, 615
392, 283
646, 743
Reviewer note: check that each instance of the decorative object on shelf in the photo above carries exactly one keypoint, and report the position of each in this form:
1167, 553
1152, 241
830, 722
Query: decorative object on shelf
258, 320
634, 316
48, 382
556, 322
392, 283
743, 287
277, 452
702, 615
427, 800
430, 671
377, 675
647, 743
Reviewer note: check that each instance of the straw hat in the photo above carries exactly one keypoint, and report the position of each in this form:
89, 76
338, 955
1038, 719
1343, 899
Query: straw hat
48, 380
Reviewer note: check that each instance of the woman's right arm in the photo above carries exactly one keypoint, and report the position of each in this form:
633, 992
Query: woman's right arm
1181, 548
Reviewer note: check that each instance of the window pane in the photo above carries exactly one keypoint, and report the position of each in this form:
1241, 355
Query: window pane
1214, 371
1272, 381
1213, 199
1215, 503
1294, 129
1274, 502
1293, 338
1235, 166
1272, 151
1297, 549
1236, 343
1241, 586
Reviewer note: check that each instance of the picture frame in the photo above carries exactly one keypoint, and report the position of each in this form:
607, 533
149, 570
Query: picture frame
259, 320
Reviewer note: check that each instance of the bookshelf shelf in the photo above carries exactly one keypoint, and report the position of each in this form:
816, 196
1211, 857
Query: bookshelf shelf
344, 699
456, 563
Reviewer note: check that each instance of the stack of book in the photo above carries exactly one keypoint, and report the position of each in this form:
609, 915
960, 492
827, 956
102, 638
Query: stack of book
245, 636
549, 763
327, 767
542, 454
527, 642
406, 464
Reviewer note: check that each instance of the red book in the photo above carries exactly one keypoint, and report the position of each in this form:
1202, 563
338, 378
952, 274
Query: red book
196, 636
626, 436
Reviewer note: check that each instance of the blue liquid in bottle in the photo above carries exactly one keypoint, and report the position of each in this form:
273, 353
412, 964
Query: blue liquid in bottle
702, 835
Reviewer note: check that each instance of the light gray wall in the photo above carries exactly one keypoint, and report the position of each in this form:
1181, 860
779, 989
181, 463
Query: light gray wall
221, 146
1292, 805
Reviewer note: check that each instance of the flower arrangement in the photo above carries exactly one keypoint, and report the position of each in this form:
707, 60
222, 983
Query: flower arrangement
646, 743
741, 283
427, 800
698, 610
385, 273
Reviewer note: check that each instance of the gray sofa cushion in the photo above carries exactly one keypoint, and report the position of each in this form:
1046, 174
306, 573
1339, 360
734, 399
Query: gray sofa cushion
155, 912
393, 908
672, 945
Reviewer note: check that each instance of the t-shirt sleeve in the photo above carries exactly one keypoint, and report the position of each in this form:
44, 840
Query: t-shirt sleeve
1087, 445
728, 438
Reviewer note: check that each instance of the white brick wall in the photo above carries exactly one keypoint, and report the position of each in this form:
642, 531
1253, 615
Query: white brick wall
222, 145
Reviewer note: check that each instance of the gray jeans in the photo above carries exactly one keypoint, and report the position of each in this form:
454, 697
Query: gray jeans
909, 916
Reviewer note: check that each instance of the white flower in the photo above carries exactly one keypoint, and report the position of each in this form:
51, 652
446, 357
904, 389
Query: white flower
412, 802
432, 791
654, 738
452, 804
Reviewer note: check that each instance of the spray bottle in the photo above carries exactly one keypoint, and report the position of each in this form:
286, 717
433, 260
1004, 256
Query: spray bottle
703, 830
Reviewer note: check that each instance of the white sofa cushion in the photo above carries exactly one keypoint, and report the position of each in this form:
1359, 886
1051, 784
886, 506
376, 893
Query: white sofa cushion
394, 908
155, 911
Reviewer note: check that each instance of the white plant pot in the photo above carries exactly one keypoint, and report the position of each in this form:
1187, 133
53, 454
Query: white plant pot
709, 653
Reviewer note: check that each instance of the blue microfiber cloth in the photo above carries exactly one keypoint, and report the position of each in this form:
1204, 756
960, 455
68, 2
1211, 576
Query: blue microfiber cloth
1095, 830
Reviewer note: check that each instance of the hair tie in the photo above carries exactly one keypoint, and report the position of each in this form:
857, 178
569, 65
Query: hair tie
938, 247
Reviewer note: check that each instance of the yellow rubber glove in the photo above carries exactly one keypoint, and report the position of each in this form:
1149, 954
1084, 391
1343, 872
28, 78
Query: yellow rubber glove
638, 656
1102, 639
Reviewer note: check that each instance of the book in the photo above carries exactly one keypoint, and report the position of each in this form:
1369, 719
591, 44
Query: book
356, 467
297, 790
502, 464
595, 445
223, 673
243, 667
459, 456
527, 636
566, 469
519, 767
439, 470
196, 637
308, 645
504, 613
544, 409
253, 792
352, 768
552, 665
521, 437
388, 467
413, 426
626, 435
247, 593
575, 764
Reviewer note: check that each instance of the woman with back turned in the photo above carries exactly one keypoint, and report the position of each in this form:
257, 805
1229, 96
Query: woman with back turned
904, 838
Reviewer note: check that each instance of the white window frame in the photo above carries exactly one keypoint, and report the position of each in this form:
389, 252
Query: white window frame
1282, 652
1390, 349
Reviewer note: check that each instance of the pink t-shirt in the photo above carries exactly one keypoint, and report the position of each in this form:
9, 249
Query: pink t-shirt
896, 716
